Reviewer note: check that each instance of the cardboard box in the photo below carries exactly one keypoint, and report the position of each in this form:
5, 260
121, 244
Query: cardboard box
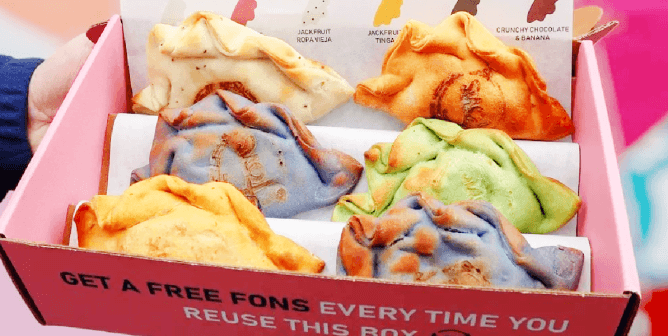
113, 292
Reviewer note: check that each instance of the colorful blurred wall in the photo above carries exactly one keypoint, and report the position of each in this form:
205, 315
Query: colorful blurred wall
636, 54
636, 58
634, 63
35, 28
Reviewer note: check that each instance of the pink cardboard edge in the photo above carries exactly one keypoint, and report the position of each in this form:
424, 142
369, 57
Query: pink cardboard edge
603, 193
36, 186
108, 308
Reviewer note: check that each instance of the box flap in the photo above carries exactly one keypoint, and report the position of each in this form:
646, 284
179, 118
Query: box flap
50, 180
602, 195
123, 293
629, 314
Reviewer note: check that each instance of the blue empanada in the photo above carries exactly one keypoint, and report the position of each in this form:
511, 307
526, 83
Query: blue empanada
464, 243
262, 149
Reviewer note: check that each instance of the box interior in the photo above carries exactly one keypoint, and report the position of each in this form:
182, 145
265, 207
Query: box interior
67, 166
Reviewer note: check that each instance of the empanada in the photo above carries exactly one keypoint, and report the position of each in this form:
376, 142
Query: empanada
458, 71
452, 164
465, 243
540, 9
262, 149
209, 52
166, 217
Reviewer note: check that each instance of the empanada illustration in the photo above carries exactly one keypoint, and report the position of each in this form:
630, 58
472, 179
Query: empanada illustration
441, 159
469, 6
315, 10
244, 11
540, 9
465, 243
458, 71
387, 11
209, 52
262, 149
166, 217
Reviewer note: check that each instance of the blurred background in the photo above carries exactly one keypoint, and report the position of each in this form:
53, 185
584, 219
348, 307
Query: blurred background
35, 28
634, 67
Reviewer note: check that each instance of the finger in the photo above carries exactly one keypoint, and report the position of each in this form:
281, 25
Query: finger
94, 32
53, 78
50, 83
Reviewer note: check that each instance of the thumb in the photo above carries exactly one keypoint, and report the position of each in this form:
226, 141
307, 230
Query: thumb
50, 83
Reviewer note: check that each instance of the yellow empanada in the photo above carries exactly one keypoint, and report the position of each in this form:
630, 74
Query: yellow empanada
167, 217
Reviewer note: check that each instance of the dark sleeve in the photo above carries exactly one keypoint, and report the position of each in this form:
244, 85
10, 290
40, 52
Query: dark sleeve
15, 152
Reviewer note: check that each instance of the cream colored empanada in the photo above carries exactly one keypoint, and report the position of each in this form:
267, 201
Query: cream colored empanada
209, 52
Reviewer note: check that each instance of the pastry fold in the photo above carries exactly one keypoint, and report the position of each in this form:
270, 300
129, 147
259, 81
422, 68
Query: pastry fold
262, 149
209, 52
166, 217
465, 243
452, 164
458, 71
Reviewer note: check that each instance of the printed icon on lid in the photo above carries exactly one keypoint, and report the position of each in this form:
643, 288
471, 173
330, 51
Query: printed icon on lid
469, 6
540, 9
244, 11
315, 10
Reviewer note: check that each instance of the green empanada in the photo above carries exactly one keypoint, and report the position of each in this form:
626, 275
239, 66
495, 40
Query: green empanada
453, 164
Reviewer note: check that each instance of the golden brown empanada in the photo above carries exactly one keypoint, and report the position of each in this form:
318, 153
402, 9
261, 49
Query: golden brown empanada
209, 52
459, 72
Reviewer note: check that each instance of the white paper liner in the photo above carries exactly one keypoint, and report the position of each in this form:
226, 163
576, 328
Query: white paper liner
132, 138
322, 239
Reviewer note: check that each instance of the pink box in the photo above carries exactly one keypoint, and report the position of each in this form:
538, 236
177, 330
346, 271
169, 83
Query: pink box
68, 286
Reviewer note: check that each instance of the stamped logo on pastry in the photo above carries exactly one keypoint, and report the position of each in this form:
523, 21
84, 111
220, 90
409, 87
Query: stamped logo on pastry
243, 144
236, 87
464, 98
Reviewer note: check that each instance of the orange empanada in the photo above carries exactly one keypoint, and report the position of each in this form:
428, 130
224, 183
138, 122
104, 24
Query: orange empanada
458, 71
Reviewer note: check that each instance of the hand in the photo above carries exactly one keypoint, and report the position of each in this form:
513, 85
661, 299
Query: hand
52, 80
